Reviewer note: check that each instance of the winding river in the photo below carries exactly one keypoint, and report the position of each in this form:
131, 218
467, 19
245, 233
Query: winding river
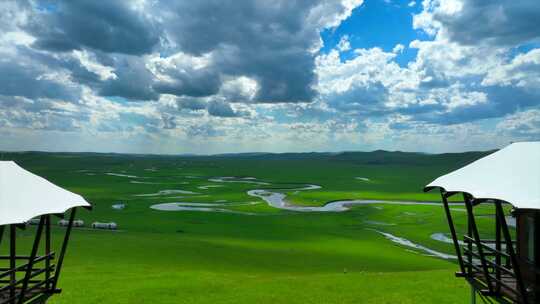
203, 207
273, 197
407, 243
277, 199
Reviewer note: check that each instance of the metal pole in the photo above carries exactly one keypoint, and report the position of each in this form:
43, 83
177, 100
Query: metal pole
452, 231
473, 295
498, 248
469, 244
468, 203
63, 250
510, 249
12, 260
47, 251
30, 265
1, 233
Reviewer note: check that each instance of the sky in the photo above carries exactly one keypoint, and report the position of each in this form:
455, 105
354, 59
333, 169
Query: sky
207, 77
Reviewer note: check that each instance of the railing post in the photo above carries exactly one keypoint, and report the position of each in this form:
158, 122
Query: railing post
1, 233
63, 250
12, 260
30, 265
474, 228
512, 253
469, 243
47, 252
499, 250
452, 231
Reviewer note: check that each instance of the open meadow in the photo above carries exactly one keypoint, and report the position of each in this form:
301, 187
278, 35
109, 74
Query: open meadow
209, 152
257, 228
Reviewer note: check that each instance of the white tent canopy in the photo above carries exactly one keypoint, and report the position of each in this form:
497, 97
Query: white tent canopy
24, 195
511, 174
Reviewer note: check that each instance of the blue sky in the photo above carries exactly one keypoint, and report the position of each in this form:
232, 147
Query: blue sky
378, 23
246, 76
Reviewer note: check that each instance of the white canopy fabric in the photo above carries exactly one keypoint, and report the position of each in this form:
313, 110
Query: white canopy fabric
24, 195
511, 174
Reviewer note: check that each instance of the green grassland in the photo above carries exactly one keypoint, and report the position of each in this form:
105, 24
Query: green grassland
264, 255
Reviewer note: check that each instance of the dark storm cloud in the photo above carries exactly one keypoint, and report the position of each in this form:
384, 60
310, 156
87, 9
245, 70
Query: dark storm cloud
283, 76
133, 80
501, 102
271, 42
191, 104
109, 26
196, 84
265, 40
49, 61
221, 109
236, 23
367, 98
496, 22
25, 80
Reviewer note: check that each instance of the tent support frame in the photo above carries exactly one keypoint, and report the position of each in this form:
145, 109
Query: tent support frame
29, 289
510, 249
489, 283
63, 250
1, 233
472, 223
12, 260
47, 251
32, 259
498, 247
445, 196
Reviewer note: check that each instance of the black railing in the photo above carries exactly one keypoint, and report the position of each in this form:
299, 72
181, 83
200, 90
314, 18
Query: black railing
501, 281
32, 278
37, 274
492, 267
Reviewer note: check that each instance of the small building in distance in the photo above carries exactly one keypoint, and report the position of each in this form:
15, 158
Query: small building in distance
106, 226
498, 266
119, 206
76, 223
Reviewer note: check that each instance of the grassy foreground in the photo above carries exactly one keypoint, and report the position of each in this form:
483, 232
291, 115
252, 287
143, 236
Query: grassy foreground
267, 256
